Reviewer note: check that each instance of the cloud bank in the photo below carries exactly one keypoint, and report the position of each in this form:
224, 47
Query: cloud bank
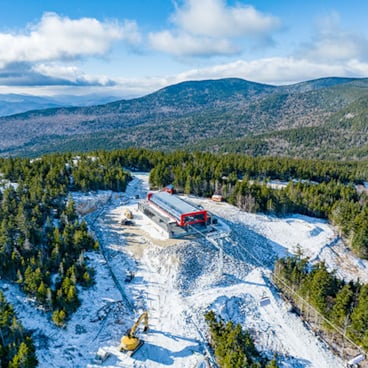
332, 43
37, 55
62, 38
215, 18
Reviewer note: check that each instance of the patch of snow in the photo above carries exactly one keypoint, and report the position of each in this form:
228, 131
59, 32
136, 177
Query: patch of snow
313, 237
90, 202
4, 184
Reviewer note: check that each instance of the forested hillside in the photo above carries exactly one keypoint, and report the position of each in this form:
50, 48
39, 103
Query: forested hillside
41, 240
11, 104
324, 118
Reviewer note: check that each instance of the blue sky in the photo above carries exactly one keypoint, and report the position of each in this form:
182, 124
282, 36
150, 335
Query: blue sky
132, 47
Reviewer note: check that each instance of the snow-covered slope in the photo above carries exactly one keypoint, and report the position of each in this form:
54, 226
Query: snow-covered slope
177, 281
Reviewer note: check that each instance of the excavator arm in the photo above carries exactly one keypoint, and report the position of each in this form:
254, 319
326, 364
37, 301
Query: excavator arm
143, 317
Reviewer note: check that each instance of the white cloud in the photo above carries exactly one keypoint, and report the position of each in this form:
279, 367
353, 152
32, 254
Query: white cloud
215, 18
59, 71
211, 28
71, 74
50, 74
334, 44
61, 38
188, 45
276, 70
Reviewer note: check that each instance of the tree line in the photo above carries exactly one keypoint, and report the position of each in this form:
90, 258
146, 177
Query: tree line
42, 240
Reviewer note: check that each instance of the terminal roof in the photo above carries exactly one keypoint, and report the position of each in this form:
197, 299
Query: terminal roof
176, 206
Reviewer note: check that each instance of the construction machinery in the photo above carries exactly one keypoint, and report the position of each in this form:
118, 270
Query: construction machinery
130, 343
128, 214
128, 218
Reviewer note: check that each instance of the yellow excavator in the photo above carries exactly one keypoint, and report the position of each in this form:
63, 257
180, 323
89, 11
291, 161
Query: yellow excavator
131, 343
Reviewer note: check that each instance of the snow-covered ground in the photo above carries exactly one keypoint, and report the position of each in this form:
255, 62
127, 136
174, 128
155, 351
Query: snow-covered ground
315, 238
177, 281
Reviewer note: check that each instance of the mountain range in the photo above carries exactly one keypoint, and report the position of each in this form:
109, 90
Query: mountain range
324, 118
13, 103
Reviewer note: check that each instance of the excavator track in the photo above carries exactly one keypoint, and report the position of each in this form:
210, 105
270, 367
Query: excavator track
131, 353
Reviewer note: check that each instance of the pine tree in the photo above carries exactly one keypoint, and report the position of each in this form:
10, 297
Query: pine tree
41, 293
359, 242
272, 364
59, 317
359, 318
72, 298
24, 358
87, 279
342, 305
319, 285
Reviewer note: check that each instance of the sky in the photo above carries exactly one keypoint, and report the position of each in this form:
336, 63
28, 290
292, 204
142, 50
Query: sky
129, 48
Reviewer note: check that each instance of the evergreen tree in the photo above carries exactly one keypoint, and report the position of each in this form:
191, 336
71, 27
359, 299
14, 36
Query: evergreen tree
232, 346
272, 364
359, 319
343, 302
24, 358
59, 317
16, 346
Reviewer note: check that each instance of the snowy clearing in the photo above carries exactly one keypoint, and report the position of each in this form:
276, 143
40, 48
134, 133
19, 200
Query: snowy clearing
177, 281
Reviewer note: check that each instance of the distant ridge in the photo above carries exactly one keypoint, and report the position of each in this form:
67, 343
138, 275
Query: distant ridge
319, 83
12, 103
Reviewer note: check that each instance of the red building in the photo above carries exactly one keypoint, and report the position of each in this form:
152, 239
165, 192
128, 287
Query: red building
183, 212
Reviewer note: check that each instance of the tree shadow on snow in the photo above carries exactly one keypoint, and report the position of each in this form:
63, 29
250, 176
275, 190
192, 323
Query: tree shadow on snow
291, 361
228, 279
174, 337
163, 355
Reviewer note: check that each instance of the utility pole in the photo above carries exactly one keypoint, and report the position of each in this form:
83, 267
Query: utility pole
217, 240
